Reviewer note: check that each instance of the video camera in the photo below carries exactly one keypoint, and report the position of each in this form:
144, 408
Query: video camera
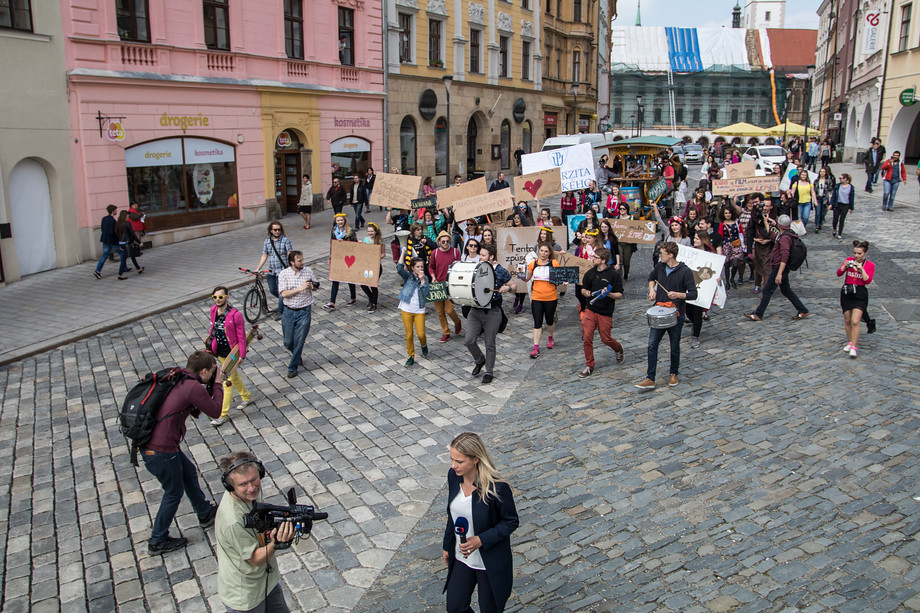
265, 517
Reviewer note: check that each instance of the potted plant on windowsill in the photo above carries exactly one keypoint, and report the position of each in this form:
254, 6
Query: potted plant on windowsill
436, 63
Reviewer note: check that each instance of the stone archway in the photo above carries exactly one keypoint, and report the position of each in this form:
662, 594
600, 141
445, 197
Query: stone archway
476, 140
901, 130
865, 128
30, 217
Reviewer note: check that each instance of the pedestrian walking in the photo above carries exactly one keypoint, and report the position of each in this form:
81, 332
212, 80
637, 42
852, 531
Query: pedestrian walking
487, 321
779, 261
228, 330
341, 231
129, 244
872, 161
108, 238
600, 287
824, 191
761, 234
359, 200
854, 295
438, 267
842, 202
373, 292
305, 207
412, 298
477, 539
296, 285
894, 174
337, 196
275, 250
543, 298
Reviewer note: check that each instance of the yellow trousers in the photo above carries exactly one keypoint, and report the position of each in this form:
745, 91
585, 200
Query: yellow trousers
445, 309
418, 320
236, 384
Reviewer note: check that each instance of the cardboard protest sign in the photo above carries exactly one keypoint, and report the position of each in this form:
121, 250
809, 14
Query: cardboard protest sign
576, 165
514, 244
741, 170
567, 259
574, 222
538, 185
351, 262
707, 271
424, 203
392, 190
437, 292
740, 187
630, 231
233, 358
656, 189
564, 274
483, 204
447, 197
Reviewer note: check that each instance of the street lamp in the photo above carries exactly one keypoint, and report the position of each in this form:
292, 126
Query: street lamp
632, 122
447, 81
811, 73
641, 115
786, 115
575, 109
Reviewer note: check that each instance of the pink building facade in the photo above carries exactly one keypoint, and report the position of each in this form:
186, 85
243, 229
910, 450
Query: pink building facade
207, 112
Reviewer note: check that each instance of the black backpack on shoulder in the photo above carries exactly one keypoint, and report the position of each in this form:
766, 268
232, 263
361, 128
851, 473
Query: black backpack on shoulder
138, 415
798, 252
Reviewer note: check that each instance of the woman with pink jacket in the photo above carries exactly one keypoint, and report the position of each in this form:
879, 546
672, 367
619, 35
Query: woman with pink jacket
228, 330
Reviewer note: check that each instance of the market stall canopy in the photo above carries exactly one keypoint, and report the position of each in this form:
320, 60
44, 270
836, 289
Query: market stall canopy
643, 145
740, 129
790, 128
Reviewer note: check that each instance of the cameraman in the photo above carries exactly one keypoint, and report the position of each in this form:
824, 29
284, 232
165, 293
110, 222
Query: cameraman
247, 574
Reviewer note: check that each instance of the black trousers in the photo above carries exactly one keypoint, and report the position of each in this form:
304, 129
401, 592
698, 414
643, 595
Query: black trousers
463, 580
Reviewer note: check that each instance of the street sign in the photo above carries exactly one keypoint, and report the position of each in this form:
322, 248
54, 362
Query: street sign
907, 97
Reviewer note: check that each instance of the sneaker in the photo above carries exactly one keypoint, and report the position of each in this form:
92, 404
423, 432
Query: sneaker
292, 374
166, 545
351, 303
705, 316
647, 384
244, 404
370, 308
329, 306
870, 327
424, 351
97, 274
458, 327
519, 309
694, 342
535, 353
756, 289
853, 351
208, 520
444, 338
220, 421
549, 343
276, 316
840, 237
673, 381
847, 347
586, 372
410, 361
621, 357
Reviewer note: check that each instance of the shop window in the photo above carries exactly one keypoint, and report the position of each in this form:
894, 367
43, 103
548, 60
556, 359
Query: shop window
527, 137
351, 156
407, 143
440, 146
475, 50
525, 60
405, 38
435, 57
503, 56
16, 14
133, 20
506, 144
217, 24
293, 28
184, 180
346, 36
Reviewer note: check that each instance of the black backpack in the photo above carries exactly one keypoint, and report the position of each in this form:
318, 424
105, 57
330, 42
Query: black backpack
798, 252
138, 415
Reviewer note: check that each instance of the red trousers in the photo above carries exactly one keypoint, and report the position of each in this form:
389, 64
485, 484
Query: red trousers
591, 321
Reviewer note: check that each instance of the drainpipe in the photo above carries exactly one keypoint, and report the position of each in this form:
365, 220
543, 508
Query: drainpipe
386, 72
881, 90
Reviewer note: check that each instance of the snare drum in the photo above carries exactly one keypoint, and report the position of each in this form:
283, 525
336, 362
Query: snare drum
471, 284
661, 317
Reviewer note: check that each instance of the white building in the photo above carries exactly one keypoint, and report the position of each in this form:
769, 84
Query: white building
764, 14
868, 66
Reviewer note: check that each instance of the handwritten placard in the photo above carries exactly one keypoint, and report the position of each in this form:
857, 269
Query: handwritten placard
424, 203
392, 190
630, 231
741, 170
447, 197
657, 189
741, 187
351, 262
707, 273
564, 274
437, 292
516, 246
569, 260
483, 204
538, 185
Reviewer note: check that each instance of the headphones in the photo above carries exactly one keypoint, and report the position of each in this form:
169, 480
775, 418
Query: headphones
241, 462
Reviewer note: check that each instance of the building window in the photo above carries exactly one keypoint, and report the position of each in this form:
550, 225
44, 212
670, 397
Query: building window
679, 115
749, 115
133, 20
656, 115
293, 28
434, 43
217, 24
506, 144
713, 117
527, 137
558, 8
440, 146
503, 56
525, 4
734, 116
696, 117
576, 66
525, 60
346, 36
680, 90
16, 14
715, 89
905, 28
618, 116
407, 142
549, 10
546, 56
475, 50
558, 63
576, 10
763, 117
766, 16
405, 38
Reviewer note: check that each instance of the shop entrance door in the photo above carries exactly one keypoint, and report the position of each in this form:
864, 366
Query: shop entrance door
287, 180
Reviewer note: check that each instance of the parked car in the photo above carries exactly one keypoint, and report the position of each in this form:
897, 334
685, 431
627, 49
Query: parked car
693, 154
679, 152
765, 156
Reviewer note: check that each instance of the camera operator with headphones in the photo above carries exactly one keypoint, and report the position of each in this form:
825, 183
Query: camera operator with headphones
247, 575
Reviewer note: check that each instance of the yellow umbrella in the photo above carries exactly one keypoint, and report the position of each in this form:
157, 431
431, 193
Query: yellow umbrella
740, 129
790, 129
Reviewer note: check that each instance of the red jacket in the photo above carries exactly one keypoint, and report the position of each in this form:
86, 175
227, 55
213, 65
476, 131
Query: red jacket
440, 261
234, 327
888, 168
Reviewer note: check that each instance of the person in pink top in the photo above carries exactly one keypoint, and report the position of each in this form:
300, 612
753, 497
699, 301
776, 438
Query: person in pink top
854, 297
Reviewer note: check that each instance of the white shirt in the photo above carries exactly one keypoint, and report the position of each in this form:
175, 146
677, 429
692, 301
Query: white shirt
291, 279
462, 506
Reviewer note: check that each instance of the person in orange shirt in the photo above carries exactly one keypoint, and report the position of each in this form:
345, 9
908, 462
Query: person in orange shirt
543, 297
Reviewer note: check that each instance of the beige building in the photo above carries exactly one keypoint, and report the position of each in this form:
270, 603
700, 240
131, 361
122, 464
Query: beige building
37, 213
899, 128
464, 86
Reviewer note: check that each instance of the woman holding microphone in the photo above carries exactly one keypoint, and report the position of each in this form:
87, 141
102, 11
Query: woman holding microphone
477, 539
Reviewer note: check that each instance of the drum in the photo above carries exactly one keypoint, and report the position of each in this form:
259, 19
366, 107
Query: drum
661, 317
633, 196
471, 284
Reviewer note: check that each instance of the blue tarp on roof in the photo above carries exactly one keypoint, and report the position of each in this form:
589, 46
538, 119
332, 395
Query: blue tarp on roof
684, 50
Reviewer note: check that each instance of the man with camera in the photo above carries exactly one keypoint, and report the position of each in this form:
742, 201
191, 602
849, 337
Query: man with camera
247, 574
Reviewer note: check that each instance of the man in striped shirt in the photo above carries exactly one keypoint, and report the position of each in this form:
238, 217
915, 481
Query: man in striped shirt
296, 285
275, 250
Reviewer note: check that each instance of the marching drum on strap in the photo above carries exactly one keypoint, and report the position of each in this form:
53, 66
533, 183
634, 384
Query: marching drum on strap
661, 317
471, 284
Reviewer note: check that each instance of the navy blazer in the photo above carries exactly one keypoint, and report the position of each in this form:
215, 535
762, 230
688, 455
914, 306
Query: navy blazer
493, 523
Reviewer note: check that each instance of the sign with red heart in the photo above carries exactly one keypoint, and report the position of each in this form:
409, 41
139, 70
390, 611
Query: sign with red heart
351, 262
538, 185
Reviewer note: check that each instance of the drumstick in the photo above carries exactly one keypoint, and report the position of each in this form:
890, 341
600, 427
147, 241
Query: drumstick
661, 286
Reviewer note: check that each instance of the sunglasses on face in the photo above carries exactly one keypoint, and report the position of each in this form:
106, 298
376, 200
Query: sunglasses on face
218, 297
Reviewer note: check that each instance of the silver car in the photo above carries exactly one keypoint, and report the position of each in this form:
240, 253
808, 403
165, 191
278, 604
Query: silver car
693, 154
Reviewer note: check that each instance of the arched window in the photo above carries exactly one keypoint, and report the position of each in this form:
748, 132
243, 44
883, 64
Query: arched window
440, 146
407, 142
527, 137
506, 144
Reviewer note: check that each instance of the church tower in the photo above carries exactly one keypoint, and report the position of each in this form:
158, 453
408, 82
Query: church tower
765, 13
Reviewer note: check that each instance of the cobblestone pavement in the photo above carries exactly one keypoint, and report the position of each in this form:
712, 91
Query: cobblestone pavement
779, 475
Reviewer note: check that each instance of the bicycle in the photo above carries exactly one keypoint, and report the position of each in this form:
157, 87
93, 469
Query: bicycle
255, 304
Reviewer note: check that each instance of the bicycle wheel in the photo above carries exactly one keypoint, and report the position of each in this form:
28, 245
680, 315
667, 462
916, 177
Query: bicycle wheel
253, 305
